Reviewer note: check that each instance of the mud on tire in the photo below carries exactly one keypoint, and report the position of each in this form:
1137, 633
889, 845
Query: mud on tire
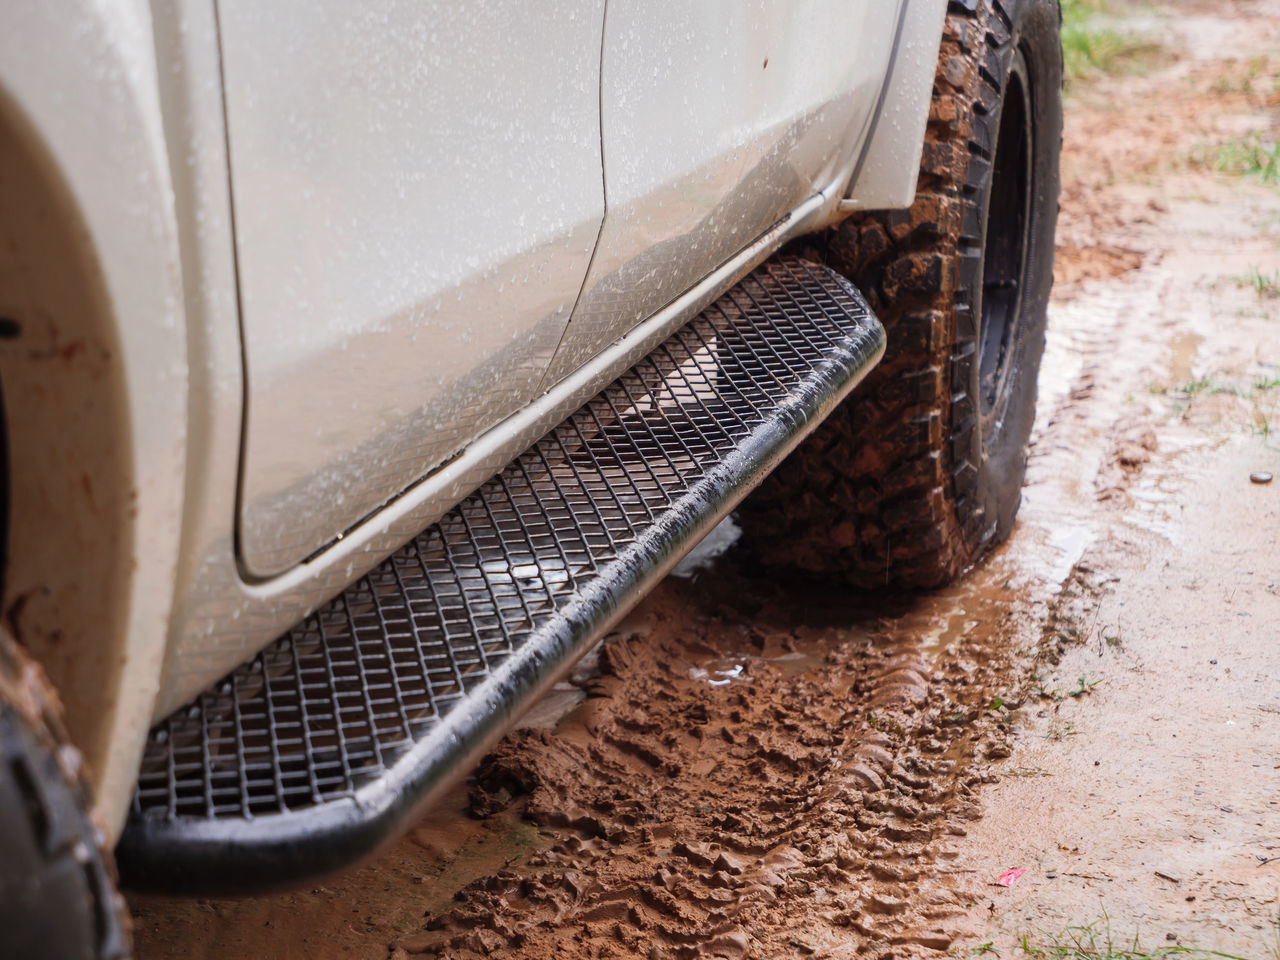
58, 898
920, 472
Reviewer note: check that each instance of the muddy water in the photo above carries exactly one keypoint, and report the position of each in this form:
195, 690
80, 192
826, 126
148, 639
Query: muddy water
747, 768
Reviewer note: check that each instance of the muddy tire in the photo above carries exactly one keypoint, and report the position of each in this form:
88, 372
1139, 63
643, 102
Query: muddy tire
58, 898
920, 472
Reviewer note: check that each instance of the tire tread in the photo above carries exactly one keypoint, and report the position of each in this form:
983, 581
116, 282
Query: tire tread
908, 431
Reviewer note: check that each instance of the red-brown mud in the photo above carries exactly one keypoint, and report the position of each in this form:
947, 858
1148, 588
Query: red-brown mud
732, 785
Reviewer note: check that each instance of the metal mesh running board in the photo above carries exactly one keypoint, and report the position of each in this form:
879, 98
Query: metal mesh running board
330, 740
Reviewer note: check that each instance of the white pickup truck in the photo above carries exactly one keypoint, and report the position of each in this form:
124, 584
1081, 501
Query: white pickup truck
362, 364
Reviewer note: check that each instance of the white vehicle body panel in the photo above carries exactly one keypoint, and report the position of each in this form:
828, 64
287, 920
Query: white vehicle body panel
417, 192
718, 119
221, 620
96, 381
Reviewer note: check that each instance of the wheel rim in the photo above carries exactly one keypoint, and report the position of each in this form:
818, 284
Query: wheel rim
1005, 248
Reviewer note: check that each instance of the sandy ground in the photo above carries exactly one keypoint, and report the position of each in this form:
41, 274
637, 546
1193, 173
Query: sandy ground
754, 769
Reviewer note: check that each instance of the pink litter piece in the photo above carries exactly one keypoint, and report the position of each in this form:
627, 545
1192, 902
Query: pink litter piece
1006, 879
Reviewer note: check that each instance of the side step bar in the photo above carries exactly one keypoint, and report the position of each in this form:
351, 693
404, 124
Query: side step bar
332, 739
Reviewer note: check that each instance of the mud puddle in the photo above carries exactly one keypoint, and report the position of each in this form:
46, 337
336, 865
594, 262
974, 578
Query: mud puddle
756, 769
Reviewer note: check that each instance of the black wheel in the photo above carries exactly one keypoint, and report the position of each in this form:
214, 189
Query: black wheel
920, 473
58, 898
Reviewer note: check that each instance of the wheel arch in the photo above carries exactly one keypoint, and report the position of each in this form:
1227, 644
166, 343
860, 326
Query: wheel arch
94, 370
884, 174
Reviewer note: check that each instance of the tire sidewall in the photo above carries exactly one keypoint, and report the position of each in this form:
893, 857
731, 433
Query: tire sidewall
989, 511
58, 896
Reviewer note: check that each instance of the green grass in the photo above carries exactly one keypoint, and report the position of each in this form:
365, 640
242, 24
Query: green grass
1091, 46
1095, 942
1059, 730
1083, 687
1258, 68
1251, 157
1260, 392
1201, 385
1210, 386
1263, 284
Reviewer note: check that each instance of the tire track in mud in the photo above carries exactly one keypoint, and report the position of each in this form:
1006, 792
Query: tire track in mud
782, 812
1090, 446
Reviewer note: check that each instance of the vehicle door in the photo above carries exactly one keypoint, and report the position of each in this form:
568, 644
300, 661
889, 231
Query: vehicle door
416, 190
718, 119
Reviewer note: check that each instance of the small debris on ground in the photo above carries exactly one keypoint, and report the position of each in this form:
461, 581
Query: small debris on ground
1006, 879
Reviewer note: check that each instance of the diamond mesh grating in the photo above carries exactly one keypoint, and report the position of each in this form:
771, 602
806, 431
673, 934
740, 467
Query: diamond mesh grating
339, 699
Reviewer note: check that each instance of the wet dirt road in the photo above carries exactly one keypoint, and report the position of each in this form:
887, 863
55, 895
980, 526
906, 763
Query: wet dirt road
756, 769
